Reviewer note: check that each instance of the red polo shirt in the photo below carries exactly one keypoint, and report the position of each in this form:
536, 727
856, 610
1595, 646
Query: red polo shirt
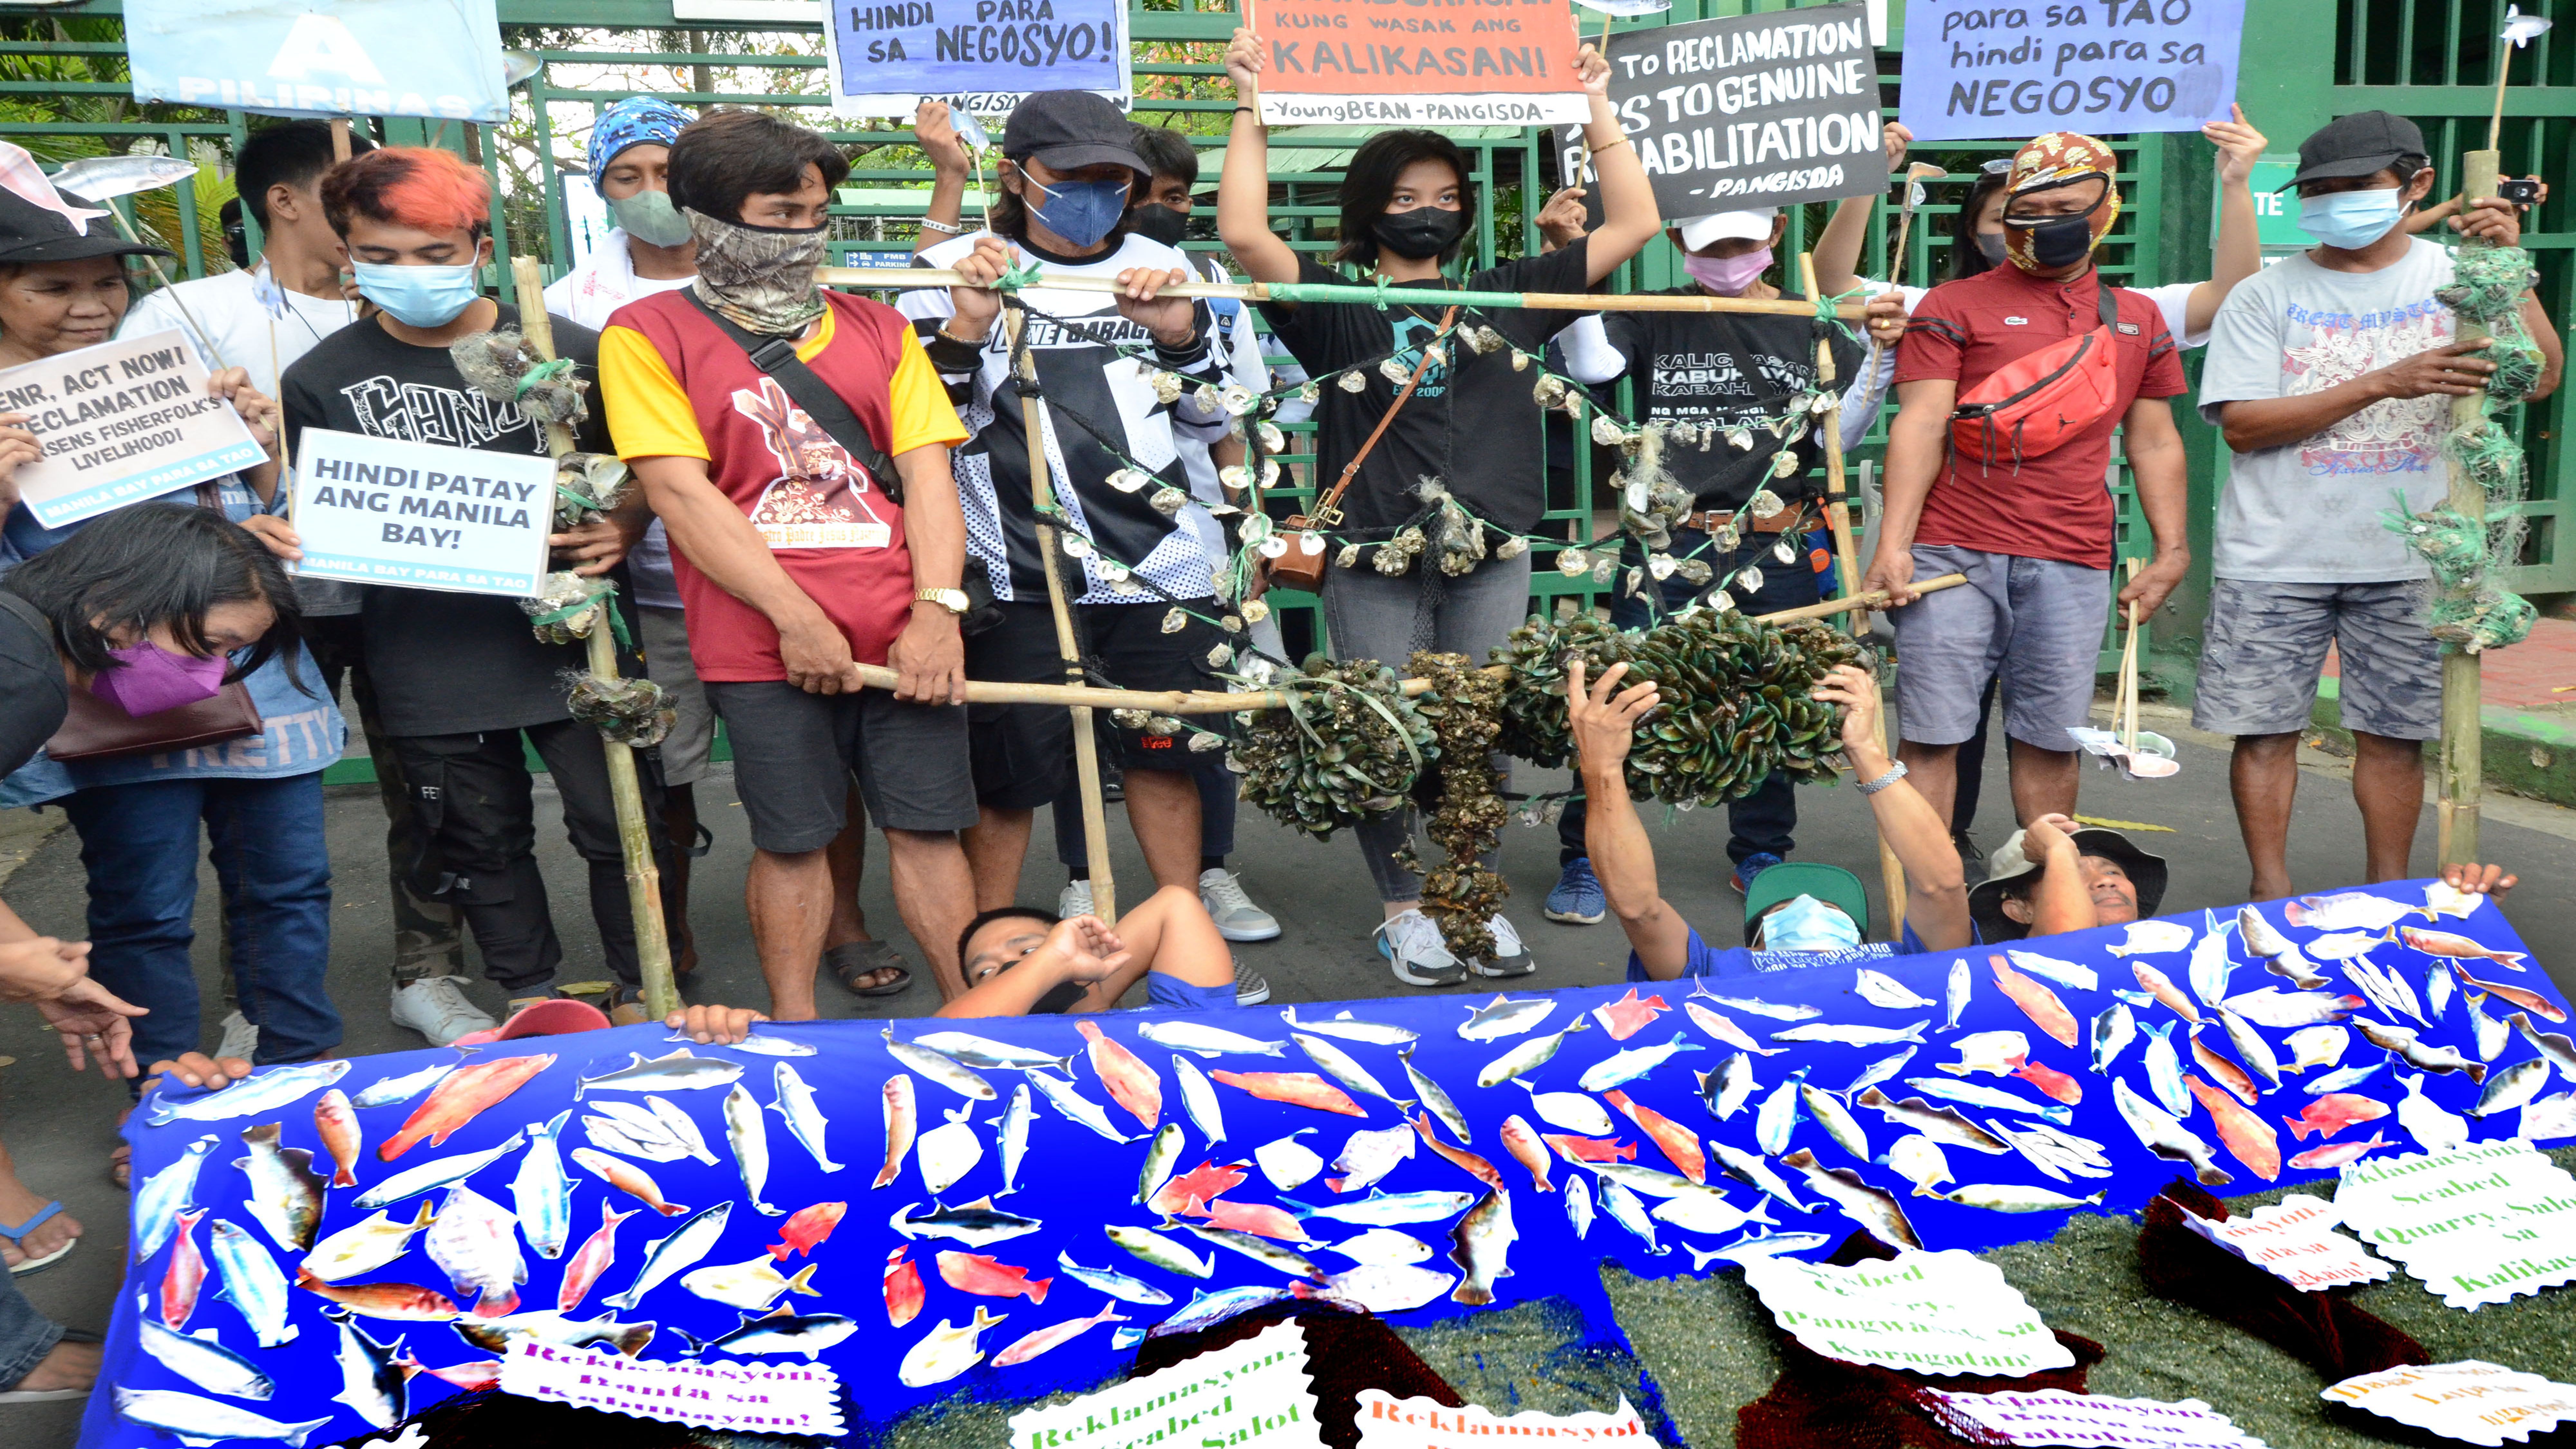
2057, 505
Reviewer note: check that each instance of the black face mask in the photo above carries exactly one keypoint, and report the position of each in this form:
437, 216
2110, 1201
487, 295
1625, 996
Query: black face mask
1420, 234
1156, 222
1991, 246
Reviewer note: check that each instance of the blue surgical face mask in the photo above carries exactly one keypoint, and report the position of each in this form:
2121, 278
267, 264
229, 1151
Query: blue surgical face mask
2351, 220
1808, 924
418, 296
1082, 212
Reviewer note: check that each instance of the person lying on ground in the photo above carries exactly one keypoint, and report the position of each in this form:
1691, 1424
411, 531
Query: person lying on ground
1023, 961
1812, 915
2057, 876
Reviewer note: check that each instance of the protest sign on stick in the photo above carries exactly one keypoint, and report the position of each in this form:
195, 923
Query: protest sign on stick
383, 511
119, 423
1753, 110
886, 57
321, 57
1980, 71
1473, 62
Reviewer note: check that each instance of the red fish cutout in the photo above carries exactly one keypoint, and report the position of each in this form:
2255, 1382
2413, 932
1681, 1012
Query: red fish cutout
1189, 1194
1678, 1143
1628, 1016
186, 1275
810, 1226
1590, 1149
2243, 1133
1257, 1218
2036, 1002
903, 1290
460, 1097
980, 1273
2048, 1079
1132, 1084
1297, 1089
2332, 1113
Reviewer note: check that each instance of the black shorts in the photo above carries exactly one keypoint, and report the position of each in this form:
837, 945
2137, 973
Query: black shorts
1024, 752
794, 754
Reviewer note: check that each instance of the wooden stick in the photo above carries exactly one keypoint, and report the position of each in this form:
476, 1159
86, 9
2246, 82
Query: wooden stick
339, 139
893, 278
2124, 705
2462, 759
1086, 749
634, 833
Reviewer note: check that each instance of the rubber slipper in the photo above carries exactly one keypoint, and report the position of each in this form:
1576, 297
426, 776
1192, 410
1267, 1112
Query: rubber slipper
850, 961
41, 1396
17, 1232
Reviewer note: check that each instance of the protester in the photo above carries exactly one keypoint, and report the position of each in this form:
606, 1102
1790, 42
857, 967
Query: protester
1732, 372
1795, 915
2020, 507
459, 678
2332, 375
1025, 962
796, 555
1467, 420
1068, 176
2055, 876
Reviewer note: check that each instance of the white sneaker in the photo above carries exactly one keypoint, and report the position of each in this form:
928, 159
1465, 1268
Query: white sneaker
1236, 917
241, 1038
1510, 958
1412, 945
435, 1006
1074, 900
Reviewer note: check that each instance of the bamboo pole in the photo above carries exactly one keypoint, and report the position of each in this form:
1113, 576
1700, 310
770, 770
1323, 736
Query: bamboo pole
1086, 748
634, 833
1891, 871
896, 278
2462, 760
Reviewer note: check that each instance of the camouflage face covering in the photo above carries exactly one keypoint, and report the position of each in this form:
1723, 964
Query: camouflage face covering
760, 277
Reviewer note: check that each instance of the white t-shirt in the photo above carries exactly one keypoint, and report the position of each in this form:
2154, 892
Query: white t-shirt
587, 294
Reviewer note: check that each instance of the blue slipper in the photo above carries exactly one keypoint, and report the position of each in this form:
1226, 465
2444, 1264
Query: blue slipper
14, 1232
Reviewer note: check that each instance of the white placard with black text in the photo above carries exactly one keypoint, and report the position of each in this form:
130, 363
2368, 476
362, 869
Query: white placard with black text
382, 511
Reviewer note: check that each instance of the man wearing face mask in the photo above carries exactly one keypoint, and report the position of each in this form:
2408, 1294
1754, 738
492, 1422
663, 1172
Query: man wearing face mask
2010, 385
2332, 374
1722, 371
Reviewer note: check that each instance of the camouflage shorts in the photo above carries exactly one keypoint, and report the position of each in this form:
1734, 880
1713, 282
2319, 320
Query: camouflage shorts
2266, 648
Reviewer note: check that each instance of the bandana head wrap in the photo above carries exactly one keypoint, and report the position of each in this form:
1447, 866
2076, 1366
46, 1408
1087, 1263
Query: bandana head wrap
2054, 160
635, 121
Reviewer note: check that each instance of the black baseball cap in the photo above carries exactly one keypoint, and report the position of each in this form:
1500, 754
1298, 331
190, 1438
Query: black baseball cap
2356, 145
1068, 130
31, 233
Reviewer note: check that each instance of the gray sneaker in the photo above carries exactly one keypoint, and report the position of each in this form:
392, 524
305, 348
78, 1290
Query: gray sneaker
1236, 917
435, 1006
1411, 945
241, 1038
1074, 900
1251, 988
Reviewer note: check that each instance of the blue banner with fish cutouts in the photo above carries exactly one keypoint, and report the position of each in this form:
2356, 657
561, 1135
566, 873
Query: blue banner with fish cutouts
998, 1209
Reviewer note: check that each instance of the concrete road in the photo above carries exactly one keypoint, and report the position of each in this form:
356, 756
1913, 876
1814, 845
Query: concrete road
62, 1128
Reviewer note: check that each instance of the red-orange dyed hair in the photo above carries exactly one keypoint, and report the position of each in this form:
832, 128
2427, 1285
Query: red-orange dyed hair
415, 186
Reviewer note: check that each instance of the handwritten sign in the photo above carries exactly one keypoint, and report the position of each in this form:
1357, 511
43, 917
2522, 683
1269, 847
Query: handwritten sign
2477, 1224
2295, 1241
2056, 1417
1932, 1313
886, 57
1754, 110
2472, 1402
381, 511
735, 1397
1387, 1422
1251, 1394
321, 57
1463, 62
119, 423
1976, 70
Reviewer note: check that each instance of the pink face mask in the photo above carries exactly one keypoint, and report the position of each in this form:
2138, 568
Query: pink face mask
149, 679
1727, 276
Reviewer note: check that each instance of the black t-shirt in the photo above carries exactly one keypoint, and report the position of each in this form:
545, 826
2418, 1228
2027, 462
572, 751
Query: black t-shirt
31, 680
441, 663
1473, 423
1732, 369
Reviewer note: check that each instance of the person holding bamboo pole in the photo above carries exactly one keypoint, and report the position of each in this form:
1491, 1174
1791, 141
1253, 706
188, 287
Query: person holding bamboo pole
1467, 420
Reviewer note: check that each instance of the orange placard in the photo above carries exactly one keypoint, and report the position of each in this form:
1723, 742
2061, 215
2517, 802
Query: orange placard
1419, 62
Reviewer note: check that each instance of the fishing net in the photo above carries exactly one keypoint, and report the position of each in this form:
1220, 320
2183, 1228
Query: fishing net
501, 366
589, 486
1462, 897
560, 610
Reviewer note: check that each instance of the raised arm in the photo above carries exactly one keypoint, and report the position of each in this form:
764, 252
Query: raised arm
1838, 246
1604, 726
1243, 189
948, 167
1628, 216
1936, 887
2059, 903
2239, 253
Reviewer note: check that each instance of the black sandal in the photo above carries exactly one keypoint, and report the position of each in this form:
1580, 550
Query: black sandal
854, 960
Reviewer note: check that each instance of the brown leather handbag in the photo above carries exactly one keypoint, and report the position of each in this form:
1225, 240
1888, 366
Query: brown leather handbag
1302, 566
97, 730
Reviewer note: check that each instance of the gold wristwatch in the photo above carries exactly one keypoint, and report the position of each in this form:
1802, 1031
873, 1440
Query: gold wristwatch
953, 600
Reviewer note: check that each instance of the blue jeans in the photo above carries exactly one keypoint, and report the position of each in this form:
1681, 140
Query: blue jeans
1763, 822
139, 843
26, 1336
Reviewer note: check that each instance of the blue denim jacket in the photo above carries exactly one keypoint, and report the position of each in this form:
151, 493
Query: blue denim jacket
304, 730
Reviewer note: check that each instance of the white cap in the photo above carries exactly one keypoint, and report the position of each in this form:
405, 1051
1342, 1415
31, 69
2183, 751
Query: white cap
1699, 231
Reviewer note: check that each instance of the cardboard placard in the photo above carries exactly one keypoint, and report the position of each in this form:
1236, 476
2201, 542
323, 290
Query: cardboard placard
1254, 1392
2294, 1240
1754, 110
2083, 1421
885, 57
1980, 71
1462, 63
1387, 1422
2472, 1402
306, 57
1930, 1313
739, 1398
417, 516
2478, 1224
119, 423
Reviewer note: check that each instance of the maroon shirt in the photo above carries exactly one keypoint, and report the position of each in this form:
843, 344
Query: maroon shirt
2057, 505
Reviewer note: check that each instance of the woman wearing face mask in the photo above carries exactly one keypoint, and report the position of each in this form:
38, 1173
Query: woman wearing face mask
258, 799
1408, 209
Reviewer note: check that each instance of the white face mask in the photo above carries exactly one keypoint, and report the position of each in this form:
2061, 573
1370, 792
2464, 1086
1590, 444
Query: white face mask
1808, 924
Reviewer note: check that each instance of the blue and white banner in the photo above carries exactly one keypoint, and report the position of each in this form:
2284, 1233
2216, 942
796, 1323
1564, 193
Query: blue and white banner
437, 59
119, 423
979, 56
417, 516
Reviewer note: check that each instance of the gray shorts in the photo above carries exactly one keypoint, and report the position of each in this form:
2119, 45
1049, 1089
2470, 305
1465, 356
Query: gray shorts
2035, 622
794, 755
2266, 645
667, 663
